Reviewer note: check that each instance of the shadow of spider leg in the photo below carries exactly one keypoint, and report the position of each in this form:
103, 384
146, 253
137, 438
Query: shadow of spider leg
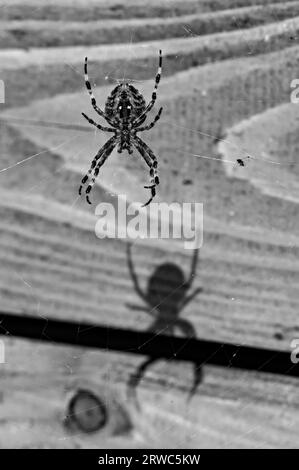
136, 378
189, 331
159, 326
163, 326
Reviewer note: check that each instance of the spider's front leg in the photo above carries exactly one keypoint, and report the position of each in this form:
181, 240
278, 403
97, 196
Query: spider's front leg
96, 164
152, 162
140, 118
92, 97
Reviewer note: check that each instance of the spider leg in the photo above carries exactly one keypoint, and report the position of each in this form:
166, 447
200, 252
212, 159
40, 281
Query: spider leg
152, 162
154, 94
189, 330
136, 378
191, 297
97, 162
102, 128
149, 126
133, 274
193, 268
92, 97
152, 187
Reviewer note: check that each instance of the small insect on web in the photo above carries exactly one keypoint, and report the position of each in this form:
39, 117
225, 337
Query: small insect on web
241, 161
125, 111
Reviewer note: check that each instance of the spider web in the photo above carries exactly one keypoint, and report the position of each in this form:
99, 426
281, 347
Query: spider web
238, 152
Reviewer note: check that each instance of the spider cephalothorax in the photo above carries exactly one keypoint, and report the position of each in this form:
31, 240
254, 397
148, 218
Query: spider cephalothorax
125, 111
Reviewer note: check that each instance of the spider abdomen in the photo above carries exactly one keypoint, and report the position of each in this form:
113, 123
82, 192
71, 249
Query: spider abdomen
125, 103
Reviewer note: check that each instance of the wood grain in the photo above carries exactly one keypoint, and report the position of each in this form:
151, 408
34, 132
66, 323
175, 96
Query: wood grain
231, 409
53, 265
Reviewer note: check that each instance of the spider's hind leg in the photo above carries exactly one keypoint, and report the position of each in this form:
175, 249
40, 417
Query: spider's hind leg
96, 164
89, 187
152, 162
93, 180
154, 178
152, 187
87, 176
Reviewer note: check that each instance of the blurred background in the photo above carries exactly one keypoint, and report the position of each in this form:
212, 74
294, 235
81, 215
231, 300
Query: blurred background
228, 139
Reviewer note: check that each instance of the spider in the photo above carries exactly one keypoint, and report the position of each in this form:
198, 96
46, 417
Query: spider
125, 111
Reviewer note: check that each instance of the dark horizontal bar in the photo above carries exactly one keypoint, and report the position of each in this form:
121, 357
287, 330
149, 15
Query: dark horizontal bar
143, 343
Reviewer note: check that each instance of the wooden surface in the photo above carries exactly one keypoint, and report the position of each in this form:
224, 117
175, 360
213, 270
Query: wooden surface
231, 409
53, 265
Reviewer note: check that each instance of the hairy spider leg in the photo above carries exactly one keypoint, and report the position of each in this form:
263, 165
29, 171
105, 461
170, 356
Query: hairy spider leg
102, 128
97, 162
154, 94
152, 162
92, 97
97, 169
151, 125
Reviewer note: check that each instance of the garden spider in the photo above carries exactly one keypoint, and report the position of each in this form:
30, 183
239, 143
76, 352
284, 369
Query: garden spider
125, 111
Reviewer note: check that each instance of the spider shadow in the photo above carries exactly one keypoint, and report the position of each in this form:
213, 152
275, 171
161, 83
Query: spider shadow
167, 294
